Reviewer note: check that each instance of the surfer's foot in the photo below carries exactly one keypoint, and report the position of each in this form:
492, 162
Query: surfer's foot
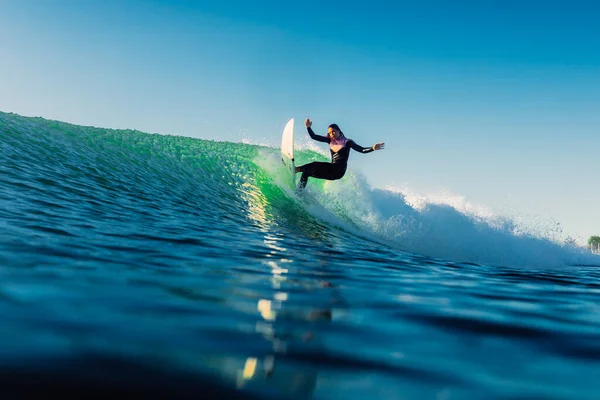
300, 188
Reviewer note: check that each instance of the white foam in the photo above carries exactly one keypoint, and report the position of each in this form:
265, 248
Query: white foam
451, 227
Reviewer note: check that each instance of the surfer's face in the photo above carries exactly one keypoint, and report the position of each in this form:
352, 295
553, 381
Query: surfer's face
333, 133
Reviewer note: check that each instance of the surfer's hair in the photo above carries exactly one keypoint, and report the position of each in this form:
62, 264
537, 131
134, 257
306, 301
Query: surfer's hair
337, 128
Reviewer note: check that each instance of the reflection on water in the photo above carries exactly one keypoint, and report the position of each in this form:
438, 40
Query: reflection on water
283, 329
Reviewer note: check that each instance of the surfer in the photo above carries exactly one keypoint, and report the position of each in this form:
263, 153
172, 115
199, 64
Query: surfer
339, 147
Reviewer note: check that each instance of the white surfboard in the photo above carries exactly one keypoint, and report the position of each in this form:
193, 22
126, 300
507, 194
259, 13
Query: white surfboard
287, 151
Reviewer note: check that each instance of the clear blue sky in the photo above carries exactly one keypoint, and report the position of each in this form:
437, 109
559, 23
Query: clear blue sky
498, 101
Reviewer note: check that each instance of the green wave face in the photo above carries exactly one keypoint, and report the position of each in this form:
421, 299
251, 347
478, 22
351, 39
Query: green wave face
104, 174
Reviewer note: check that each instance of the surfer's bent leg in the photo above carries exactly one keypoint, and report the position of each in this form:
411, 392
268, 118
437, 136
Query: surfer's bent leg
320, 170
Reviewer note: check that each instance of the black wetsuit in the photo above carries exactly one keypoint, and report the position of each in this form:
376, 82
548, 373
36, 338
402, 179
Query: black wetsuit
339, 161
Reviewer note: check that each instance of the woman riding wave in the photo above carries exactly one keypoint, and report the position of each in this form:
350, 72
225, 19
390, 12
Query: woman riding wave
339, 147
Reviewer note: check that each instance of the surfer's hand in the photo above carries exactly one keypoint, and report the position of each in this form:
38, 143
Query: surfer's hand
308, 123
378, 146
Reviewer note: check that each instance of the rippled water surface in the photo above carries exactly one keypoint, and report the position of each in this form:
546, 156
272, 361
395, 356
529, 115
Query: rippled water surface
176, 266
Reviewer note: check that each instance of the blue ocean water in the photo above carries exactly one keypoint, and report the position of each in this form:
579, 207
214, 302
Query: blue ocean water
168, 266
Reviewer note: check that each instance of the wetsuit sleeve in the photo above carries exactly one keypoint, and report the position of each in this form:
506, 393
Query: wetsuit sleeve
358, 148
316, 137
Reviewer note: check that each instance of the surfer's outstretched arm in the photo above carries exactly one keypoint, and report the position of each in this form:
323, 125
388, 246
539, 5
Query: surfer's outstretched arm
364, 150
313, 135
316, 137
